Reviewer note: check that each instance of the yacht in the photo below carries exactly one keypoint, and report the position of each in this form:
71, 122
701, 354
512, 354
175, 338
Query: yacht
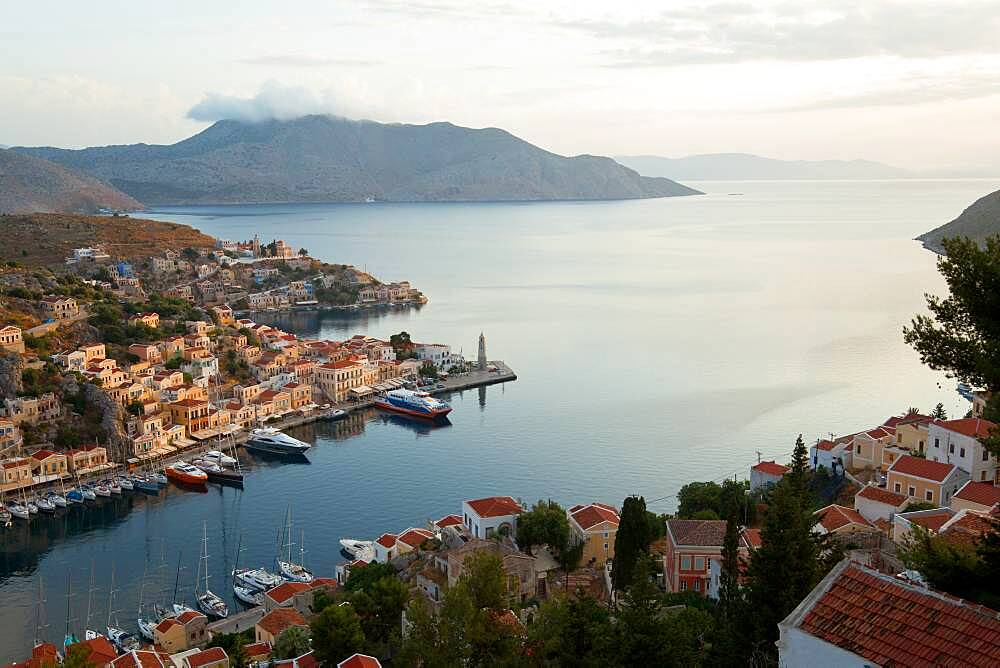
18, 510
100, 489
217, 473
217, 457
123, 640
159, 478
74, 496
45, 504
125, 483
256, 578
32, 508
88, 493
146, 628
414, 403
270, 440
183, 472
114, 486
250, 596
57, 500
355, 548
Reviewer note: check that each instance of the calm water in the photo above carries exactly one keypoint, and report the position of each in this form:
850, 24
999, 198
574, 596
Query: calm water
657, 342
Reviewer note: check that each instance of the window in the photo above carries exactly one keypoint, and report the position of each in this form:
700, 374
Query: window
699, 563
685, 563
605, 547
697, 585
961, 452
928, 495
859, 449
684, 585
986, 455
898, 488
911, 491
937, 442
982, 475
605, 535
951, 448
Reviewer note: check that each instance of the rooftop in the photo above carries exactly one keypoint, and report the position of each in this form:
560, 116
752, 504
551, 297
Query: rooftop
873, 493
206, 657
835, 517
981, 493
359, 661
973, 427
770, 468
280, 619
594, 514
495, 506
922, 468
703, 533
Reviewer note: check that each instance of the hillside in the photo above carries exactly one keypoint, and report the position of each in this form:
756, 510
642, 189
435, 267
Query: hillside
29, 184
746, 166
329, 159
980, 220
48, 238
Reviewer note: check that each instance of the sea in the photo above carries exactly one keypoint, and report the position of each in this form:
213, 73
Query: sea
656, 342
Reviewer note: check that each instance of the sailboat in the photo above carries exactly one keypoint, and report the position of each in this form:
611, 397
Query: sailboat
287, 568
41, 623
122, 639
178, 608
210, 603
69, 638
146, 626
243, 591
88, 633
45, 504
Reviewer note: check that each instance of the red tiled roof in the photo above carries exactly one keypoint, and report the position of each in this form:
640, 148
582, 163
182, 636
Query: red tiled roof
932, 520
165, 625
42, 454
189, 616
770, 468
594, 514
387, 540
257, 649
873, 493
891, 623
285, 591
280, 619
15, 463
323, 582
415, 537
974, 427
922, 468
751, 538
982, 493
495, 506
448, 521
835, 517
704, 533
101, 650
825, 445
360, 661
205, 657
139, 659
880, 432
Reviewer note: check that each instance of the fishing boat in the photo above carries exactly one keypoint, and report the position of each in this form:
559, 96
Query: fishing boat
413, 403
101, 489
286, 567
269, 440
256, 578
182, 472
58, 500
355, 548
209, 603
217, 473
217, 457
45, 504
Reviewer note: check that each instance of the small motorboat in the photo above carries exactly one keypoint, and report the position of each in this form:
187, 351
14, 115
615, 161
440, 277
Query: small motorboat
249, 595
32, 508
213, 605
146, 628
88, 493
123, 640
257, 578
125, 483
45, 504
184, 473
217, 457
336, 414
160, 478
114, 486
100, 489
217, 473
146, 485
19, 511
354, 548
57, 500
5, 516
74, 496
294, 572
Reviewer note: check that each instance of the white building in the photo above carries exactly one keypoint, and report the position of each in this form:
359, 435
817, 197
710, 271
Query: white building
957, 442
766, 474
495, 514
438, 354
876, 503
831, 455
385, 548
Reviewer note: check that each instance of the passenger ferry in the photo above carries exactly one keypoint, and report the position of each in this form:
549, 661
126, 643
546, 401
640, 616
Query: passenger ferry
408, 402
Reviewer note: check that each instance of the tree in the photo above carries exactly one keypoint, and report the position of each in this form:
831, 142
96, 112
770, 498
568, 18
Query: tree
945, 566
572, 630
336, 634
544, 524
939, 413
380, 609
569, 558
631, 542
78, 656
234, 645
190, 254
303, 252
730, 645
361, 579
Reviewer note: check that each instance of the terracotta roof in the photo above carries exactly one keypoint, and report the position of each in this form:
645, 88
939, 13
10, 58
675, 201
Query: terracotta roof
930, 519
188, 616
13, 463
415, 537
873, 493
892, 623
359, 661
101, 650
880, 432
42, 454
141, 659
966, 528
448, 521
189, 403
922, 468
323, 582
257, 649
751, 538
704, 533
825, 445
770, 468
594, 514
835, 517
286, 591
982, 493
165, 625
387, 540
205, 657
280, 619
974, 427
495, 506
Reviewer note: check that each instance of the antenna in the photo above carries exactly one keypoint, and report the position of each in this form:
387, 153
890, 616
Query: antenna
758, 456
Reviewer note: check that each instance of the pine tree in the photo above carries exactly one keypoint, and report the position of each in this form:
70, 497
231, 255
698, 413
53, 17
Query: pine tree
939, 412
730, 647
631, 542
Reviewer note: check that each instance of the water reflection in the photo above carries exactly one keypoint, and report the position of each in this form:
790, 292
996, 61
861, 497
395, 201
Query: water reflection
311, 324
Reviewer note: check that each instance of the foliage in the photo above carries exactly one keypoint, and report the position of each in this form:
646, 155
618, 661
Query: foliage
174, 363
336, 634
190, 254
380, 609
544, 524
697, 497
234, 645
40, 345
970, 572
939, 412
428, 370
631, 542
913, 506
361, 579
572, 631
78, 656
731, 611
36, 382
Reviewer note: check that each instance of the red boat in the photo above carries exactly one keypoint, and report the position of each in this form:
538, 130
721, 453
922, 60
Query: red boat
183, 472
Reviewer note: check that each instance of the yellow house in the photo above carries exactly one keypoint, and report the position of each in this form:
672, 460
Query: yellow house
48, 463
911, 432
925, 480
11, 339
17, 473
273, 623
595, 525
301, 394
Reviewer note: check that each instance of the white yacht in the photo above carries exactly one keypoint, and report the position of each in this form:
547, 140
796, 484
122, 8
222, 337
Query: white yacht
272, 441
256, 578
217, 457
355, 548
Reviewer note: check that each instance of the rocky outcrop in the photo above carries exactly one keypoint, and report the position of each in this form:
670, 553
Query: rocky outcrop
980, 220
11, 367
112, 420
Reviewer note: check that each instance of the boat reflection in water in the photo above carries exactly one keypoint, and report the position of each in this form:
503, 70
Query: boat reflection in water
422, 426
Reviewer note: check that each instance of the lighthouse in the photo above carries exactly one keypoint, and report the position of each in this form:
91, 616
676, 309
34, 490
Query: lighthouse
482, 352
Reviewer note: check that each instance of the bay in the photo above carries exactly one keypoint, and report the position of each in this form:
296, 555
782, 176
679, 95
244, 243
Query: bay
656, 342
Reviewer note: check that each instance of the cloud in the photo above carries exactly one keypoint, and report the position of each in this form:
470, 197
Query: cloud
914, 91
294, 60
804, 31
275, 101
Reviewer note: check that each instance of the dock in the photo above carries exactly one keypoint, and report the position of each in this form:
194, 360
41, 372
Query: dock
237, 623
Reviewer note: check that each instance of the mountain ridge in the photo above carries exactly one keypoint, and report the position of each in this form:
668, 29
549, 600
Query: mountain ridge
329, 159
748, 166
978, 221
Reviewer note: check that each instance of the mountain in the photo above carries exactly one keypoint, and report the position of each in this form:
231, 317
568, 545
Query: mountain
29, 184
745, 166
330, 159
980, 220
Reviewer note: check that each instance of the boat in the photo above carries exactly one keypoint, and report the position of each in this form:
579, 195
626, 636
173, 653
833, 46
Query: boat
5, 516
88, 493
252, 597
217, 457
180, 609
209, 603
32, 508
74, 496
69, 638
100, 489
144, 484
271, 441
125, 483
414, 403
146, 626
257, 578
184, 473
57, 500
114, 486
336, 414
159, 478
216, 473
45, 504
355, 548
89, 633
288, 569
18, 510
123, 640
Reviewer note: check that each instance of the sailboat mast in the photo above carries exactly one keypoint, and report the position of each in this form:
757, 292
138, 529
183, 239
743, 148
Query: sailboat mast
204, 556
111, 596
177, 578
90, 596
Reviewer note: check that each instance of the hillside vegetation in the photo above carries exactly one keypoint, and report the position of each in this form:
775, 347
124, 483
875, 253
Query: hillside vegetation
47, 238
980, 220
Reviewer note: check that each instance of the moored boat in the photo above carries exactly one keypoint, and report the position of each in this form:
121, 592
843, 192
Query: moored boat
212, 605
159, 478
101, 489
413, 403
18, 510
126, 483
216, 473
74, 496
88, 493
217, 457
45, 504
57, 500
257, 578
184, 473
248, 595
5, 516
32, 508
355, 548
114, 486
271, 441
146, 485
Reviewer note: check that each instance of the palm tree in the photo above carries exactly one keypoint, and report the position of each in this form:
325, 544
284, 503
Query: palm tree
291, 643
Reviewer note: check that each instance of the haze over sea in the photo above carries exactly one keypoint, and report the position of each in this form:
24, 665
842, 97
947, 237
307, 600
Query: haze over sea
657, 342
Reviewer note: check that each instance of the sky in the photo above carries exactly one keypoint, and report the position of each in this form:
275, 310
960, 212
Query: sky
913, 83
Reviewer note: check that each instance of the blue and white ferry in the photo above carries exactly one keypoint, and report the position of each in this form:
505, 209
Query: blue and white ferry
417, 404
